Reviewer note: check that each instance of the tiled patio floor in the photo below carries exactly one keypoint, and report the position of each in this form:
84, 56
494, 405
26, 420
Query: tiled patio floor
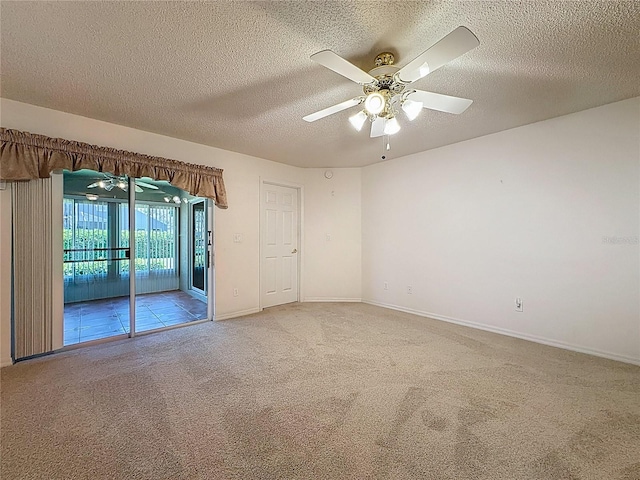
97, 319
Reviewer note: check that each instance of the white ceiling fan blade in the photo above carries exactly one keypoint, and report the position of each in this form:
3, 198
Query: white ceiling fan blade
334, 109
146, 185
335, 62
377, 127
442, 103
457, 43
93, 185
138, 189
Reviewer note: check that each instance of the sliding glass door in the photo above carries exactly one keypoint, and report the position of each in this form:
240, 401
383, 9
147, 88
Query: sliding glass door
122, 237
164, 295
95, 268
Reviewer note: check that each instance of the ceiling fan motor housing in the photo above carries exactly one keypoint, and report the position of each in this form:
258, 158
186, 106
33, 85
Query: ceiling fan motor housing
386, 85
384, 76
384, 58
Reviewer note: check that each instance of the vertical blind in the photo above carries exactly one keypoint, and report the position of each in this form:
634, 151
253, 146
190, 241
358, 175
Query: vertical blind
96, 243
33, 265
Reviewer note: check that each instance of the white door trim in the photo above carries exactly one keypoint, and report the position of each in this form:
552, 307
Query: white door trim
301, 249
211, 248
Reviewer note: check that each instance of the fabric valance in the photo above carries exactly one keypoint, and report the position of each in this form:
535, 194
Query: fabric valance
26, 156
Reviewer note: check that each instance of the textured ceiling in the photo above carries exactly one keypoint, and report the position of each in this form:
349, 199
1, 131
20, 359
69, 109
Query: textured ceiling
237, 75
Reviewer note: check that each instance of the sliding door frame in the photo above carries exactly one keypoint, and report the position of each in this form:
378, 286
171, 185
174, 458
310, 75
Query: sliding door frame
211, 271
132, 257
58, 273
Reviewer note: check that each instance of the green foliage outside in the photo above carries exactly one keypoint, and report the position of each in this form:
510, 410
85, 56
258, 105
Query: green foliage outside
155, 251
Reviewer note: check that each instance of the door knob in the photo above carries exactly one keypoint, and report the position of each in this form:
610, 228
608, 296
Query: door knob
295, 250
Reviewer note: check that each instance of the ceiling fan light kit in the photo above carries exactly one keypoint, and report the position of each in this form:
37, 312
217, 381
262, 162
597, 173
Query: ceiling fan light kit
175, 199
411, 108
385, 86
358, 120
391, 126
375, 103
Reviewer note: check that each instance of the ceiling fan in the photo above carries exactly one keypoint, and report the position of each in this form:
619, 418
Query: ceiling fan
109, 182
387, 89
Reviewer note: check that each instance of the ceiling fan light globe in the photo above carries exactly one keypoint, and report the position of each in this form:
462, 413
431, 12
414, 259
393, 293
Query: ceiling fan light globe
358, 120
375, 103
101, 184
412, 108
392, 126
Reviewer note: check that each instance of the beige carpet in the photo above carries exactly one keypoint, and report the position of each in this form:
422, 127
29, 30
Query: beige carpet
321, 391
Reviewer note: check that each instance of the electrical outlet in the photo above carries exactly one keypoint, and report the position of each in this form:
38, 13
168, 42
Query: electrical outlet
235, 292
518, 304
409, 289
386, 286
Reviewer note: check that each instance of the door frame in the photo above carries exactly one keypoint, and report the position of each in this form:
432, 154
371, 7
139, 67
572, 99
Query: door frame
58, 294
191, 247
208, 294
301, 249
211, 251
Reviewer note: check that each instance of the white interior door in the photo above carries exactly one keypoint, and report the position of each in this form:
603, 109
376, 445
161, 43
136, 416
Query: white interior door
279, 226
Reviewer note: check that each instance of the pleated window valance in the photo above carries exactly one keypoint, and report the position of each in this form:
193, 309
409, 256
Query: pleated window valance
26, 156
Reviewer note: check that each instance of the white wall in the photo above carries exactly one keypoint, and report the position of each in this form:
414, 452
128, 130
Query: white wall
521, 213
333, 206
469, 226
237, 264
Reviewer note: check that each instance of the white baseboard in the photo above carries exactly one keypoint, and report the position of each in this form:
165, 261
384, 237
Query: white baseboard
240, 313
511, 333
331, 299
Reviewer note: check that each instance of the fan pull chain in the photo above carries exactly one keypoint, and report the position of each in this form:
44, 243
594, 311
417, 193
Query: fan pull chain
386, 146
